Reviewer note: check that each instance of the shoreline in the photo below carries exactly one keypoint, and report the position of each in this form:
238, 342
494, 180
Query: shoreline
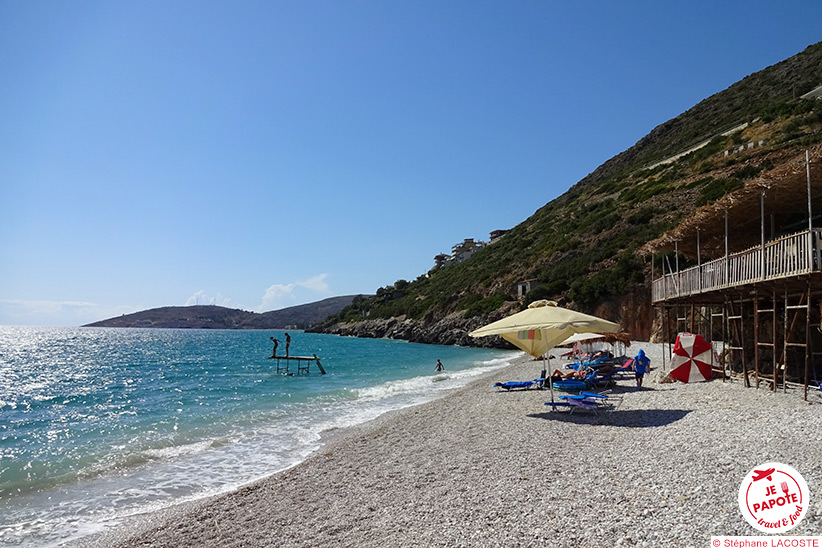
480, 467
139, 523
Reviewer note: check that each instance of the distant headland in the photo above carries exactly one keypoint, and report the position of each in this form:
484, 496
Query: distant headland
219, 317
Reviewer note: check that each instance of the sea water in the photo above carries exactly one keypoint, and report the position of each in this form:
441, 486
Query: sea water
100, 424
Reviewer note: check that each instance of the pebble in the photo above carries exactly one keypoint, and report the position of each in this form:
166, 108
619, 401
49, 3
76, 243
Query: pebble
485, 468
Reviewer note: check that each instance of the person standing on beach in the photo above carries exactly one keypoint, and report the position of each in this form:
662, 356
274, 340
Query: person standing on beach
641, 366
440, 367
274, 352
287, 343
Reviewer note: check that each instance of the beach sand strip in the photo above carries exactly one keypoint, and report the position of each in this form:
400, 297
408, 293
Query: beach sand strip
481, 467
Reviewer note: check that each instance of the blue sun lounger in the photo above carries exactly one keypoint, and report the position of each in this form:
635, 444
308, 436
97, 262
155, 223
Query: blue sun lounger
591, 401
562, 404
583, 404
523, 385
575, 385
593, 363
607, 379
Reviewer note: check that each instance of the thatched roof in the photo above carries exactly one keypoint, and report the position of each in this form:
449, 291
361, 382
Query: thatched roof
786, 203
613, 338
610, 338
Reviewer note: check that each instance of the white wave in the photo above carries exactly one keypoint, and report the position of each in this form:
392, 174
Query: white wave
501, 361
177, 451
393, 388
163, 476
446, 380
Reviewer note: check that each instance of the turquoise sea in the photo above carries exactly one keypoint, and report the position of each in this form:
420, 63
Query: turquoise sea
100, 424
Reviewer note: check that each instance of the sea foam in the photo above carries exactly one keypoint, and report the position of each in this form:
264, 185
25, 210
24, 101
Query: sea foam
119, 422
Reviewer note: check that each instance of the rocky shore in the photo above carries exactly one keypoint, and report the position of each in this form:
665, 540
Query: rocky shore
438, 327
452, 330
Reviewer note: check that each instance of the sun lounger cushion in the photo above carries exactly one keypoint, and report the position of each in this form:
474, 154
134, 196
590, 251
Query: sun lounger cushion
510, 385
556, 404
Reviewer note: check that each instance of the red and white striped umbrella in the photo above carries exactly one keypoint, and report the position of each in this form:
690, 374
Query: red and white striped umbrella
691, 359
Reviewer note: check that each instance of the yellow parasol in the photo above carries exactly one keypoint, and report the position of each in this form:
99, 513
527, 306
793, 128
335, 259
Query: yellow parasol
543, 325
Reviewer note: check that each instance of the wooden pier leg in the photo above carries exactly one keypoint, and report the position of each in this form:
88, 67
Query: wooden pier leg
322, 371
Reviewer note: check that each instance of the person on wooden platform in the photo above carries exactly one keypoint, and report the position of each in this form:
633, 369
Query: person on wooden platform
274, 352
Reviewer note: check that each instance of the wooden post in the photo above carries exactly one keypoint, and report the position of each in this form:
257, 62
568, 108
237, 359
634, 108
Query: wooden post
727, 277
742, 340
691, 321
698, 264
810, 212
652, 274
762, 230
676, 255
808, 175
807, 334
756, 338
667, 322
773, 339
319, 364
786, 331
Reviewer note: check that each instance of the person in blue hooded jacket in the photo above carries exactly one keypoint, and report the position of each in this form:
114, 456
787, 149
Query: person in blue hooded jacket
642, 364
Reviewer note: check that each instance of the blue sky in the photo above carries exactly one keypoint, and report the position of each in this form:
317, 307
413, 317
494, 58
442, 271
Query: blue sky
265, 154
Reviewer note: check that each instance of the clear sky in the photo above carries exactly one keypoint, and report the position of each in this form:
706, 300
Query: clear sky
259, 155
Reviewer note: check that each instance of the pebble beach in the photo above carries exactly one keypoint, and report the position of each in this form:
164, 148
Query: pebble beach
483, 467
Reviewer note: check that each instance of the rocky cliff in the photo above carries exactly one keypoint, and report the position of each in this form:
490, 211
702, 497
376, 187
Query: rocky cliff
635, 310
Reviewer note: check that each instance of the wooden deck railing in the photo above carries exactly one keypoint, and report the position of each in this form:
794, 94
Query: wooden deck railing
788, 256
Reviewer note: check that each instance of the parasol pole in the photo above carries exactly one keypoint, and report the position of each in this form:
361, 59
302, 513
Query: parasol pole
550, 378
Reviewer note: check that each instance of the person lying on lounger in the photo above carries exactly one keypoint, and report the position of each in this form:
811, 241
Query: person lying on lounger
581, 373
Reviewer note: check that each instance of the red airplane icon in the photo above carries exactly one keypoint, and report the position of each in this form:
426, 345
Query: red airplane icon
762, 474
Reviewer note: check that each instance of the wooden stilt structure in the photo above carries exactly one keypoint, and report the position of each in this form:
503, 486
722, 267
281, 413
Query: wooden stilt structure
303, 363
767, 298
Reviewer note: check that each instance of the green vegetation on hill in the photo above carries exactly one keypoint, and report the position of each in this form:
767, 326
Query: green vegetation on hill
581, 247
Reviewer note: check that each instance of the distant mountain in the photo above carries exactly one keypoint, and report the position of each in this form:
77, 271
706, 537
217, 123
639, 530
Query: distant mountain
219, 317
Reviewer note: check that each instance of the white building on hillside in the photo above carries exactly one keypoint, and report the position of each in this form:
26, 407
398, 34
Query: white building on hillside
459, 252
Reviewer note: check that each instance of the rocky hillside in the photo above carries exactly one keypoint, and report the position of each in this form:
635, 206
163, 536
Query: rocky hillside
218, 317
581, 248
